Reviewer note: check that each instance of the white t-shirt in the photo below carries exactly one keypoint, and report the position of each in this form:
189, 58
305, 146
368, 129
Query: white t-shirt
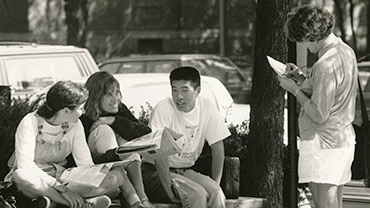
202, 123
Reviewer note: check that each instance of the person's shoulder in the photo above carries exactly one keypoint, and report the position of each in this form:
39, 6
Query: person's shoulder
28, 121
78, 124
207, 102
122, 107
30, 117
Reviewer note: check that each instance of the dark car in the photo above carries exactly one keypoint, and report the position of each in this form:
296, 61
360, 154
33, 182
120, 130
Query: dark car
222, 68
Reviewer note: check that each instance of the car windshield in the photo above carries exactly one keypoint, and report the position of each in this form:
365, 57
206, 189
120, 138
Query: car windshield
30, 74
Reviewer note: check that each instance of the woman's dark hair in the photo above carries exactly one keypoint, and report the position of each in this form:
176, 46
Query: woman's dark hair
186, 73
62, 94
98, 85
310, 23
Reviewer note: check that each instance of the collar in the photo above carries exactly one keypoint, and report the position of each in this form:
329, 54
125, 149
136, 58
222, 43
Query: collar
332, 41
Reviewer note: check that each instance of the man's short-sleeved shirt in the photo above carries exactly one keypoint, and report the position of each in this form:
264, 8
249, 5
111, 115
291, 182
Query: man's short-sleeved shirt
203, 123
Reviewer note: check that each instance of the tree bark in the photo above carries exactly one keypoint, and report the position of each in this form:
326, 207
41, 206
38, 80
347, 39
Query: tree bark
368, 27
76, 17
264, 155
340, 18
351, 16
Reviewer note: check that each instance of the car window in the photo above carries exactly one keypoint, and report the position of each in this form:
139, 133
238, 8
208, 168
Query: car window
165, 66
124, 67
226, 72
30, 74
112, 68
220, 69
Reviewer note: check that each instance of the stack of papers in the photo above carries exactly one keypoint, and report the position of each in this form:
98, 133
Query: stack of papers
153, 145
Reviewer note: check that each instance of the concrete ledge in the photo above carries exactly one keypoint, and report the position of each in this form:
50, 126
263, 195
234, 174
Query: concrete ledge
241, 202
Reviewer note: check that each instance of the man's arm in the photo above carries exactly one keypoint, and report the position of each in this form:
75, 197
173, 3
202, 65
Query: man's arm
218, 157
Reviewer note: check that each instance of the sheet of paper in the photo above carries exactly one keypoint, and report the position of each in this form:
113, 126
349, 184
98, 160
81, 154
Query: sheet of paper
278, 67
90, 176
153, 145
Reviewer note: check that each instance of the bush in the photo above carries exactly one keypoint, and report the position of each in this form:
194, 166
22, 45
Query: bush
237, 142
10, 116
11, 113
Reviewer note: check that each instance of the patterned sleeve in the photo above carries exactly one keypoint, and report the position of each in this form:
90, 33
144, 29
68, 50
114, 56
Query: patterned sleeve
323, 95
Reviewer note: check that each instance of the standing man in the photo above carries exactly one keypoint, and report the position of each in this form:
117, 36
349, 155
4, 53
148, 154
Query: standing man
198, 120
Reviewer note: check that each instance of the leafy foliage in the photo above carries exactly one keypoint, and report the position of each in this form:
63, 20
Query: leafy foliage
144, 114
11, 113
237, 142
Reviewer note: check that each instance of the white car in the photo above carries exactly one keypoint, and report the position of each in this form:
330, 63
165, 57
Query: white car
27, 68
147, 89
236, 82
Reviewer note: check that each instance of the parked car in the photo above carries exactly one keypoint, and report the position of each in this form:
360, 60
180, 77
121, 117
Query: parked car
222, 68
28, 67
140, 91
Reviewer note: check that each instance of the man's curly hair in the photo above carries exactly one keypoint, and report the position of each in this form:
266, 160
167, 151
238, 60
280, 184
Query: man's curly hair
310, 23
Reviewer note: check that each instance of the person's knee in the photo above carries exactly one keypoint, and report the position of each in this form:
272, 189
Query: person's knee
218, 192
199, 193
29, 184
114, 178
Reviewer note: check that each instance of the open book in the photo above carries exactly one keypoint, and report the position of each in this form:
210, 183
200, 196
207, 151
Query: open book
277, 66
153, 145
91, 175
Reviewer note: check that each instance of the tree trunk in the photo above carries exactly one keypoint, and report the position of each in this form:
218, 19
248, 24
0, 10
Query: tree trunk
76, 16
351, 16
368, 28
263, 174
340, 18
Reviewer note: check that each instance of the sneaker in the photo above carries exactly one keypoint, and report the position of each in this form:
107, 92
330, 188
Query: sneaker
43, 202
98, 202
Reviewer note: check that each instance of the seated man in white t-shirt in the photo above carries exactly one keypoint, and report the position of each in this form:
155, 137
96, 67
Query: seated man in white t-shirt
198, 119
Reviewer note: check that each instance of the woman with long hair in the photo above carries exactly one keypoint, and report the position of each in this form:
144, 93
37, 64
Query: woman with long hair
109, 123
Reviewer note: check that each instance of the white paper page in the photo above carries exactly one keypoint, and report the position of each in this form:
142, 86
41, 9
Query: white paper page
91, 176
278, 67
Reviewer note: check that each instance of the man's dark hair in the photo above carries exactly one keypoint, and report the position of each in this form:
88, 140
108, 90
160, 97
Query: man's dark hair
186, 73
